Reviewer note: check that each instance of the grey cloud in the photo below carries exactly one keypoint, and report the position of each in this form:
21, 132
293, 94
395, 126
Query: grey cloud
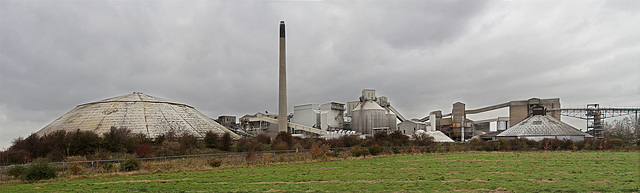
221, 57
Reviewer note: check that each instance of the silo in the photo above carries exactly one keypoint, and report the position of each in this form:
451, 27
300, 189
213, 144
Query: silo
391, 122
368, 115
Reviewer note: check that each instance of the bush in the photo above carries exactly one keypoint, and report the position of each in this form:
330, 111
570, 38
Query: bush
117, 139
168, 148
144, 151
148, 165
17, 172
422, 139
320, 151
264, 139
225, 144
356, 151
375, 150
284, 137
76, 169
214, 162
130, 165
350, 140
39, 171
15, 157
211, 140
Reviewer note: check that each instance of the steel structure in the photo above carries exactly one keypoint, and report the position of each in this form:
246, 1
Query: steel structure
595, 116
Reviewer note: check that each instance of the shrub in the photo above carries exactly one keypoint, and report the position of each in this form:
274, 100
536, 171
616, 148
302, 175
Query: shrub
284, 137
399, 139
39, 171
422, 139
214, 162
117, 139
211, 140
356, 151
334, 142
168, 148
144, 151
147, 165
130, 165
188, 142
264, 139
617, 143
350, 140
76, 169
248, 144
320, 151
375, 150
12, 156
382, 138
279, 145
17, 172
107, 167
56, 155
225, 143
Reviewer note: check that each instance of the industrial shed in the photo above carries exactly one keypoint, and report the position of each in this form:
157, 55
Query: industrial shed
151, 116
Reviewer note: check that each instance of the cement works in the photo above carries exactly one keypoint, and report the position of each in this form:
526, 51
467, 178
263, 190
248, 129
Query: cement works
533, 118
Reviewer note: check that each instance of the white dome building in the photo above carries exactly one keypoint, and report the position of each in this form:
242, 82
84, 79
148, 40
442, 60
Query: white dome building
139, 112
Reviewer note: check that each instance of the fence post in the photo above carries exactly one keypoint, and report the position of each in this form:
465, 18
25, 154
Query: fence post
91, 166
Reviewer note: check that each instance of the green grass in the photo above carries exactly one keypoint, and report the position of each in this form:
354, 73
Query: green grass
476, 172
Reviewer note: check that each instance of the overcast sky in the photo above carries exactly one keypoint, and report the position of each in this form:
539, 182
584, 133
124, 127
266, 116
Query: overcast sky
221, 57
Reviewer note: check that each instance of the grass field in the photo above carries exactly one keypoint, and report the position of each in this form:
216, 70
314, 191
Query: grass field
476, 172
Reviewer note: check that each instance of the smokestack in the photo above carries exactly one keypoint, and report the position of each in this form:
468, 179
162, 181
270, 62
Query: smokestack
282, 90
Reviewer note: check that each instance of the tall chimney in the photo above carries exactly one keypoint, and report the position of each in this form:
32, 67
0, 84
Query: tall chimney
282, 91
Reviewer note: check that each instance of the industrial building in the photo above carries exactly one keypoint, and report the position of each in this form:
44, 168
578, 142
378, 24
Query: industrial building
327, 117
457, 126
148, 115
540, 126
409, 127
368, 115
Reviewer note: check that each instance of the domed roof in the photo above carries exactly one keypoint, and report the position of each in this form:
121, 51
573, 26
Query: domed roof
542, 125
139, 112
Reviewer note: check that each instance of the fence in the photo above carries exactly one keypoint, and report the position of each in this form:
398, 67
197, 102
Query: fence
200, 161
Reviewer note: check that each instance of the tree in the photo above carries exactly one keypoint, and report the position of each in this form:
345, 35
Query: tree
625, 129
285, 137
225, 143
117, 139
211, 139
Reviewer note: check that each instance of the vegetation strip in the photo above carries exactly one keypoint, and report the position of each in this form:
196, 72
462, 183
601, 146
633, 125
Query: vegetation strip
503, 172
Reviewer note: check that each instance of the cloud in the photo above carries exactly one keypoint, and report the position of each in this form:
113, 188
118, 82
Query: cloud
221, 57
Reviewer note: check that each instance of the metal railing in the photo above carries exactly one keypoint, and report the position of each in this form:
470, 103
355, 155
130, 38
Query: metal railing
200, 161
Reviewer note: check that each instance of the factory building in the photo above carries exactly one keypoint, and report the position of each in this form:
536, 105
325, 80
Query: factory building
252, 124
409, 127
327, 117
540, 126
368, 115
227, 121
148, 115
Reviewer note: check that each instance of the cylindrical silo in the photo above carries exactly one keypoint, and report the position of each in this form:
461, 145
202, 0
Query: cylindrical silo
368, 115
